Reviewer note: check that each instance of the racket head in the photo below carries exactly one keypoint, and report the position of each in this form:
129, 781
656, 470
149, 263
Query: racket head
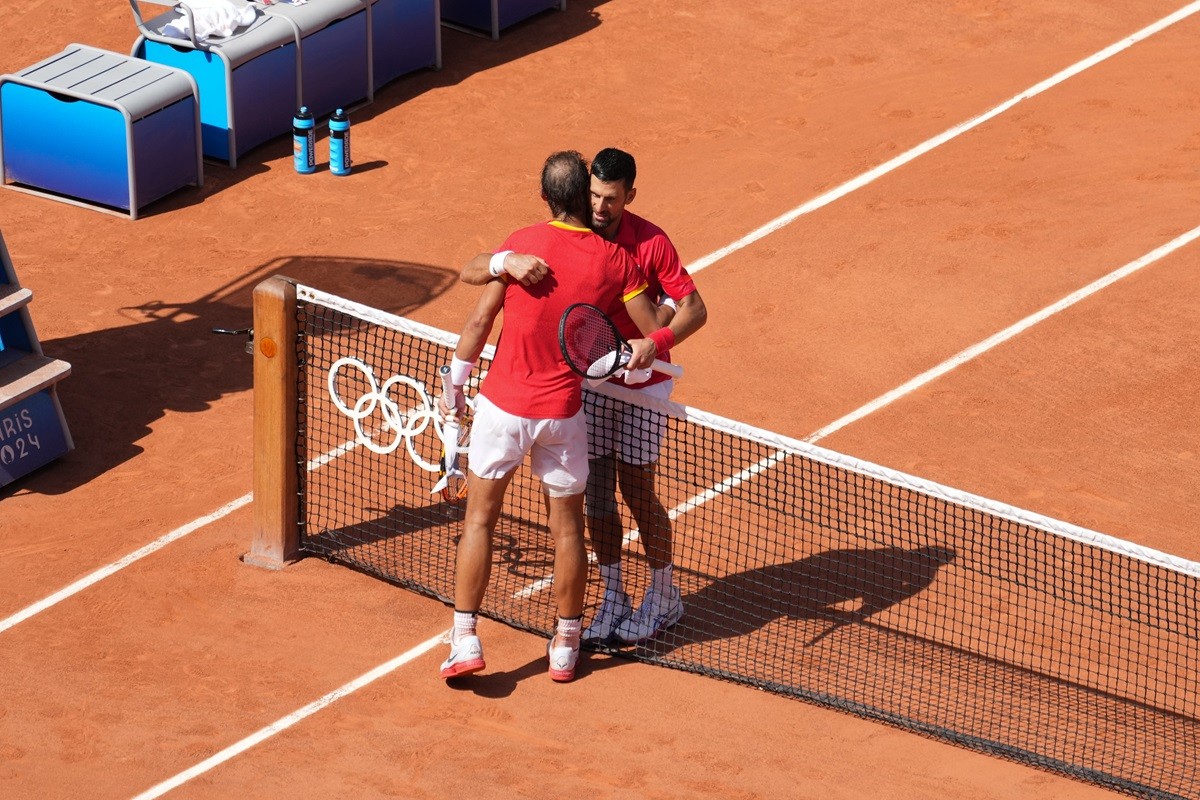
590, 342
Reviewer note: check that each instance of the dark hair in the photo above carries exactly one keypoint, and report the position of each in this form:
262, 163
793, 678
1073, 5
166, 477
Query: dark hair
611, 165
565, 184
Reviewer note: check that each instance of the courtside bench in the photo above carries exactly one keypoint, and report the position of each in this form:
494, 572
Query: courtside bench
100, 129
406, 35
249, 82
492, 16
333, 38
33, 431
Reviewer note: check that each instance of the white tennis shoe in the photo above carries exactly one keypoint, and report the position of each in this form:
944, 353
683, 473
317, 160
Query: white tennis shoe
562, 661
615, 609
656, 613
466, 657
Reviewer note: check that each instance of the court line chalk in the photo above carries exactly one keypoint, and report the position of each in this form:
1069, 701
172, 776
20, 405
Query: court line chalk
285, 722
1006, 334
120, 564
888, 166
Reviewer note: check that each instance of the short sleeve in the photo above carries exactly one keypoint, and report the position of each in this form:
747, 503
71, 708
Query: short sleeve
667, 268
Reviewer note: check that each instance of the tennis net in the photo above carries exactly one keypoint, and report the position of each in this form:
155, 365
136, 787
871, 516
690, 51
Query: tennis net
803, 572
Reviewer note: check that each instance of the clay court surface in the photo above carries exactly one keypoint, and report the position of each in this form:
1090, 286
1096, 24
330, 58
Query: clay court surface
738, 111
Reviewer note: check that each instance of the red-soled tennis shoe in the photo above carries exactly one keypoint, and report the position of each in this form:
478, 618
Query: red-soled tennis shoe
466, 658
562, 661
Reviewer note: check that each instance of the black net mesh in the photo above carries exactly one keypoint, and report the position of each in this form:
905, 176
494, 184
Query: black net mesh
801, 572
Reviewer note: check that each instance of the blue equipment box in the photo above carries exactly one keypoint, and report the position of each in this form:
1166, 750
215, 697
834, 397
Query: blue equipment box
333, 38
493, 16
248, 82
100, 129
406, 35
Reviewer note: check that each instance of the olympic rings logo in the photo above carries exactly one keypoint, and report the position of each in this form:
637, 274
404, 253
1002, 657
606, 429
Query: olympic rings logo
397, 426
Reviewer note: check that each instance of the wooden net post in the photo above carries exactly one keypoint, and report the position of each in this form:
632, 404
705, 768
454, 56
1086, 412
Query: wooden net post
276, 489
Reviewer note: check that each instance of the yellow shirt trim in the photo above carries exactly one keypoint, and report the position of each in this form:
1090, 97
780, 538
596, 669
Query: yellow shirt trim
635, 293
559, 224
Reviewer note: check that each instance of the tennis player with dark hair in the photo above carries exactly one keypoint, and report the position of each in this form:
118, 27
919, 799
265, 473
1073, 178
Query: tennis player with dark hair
625, 442
530, 403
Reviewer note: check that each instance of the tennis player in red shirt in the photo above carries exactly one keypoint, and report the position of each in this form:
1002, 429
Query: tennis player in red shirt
625, 442
530, 403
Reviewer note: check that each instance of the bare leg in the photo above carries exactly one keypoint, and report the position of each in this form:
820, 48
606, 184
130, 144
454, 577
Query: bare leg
603, 521
570, 556
473, 564
654, 526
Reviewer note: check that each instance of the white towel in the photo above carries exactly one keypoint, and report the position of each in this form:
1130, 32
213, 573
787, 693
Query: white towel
213, 18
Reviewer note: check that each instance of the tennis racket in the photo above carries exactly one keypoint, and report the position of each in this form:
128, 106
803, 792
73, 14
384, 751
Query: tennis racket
594, 348
455, 433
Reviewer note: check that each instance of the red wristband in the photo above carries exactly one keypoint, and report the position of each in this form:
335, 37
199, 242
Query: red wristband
663, 338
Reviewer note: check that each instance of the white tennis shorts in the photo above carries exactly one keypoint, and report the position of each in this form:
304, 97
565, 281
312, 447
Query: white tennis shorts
557, 447
634, 434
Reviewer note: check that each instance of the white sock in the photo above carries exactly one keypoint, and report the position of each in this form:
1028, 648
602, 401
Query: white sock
568, 631
464, 624
660, 580
610, 574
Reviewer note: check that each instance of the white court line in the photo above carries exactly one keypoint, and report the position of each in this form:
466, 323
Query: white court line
1006, 334
923, 148
158, 544
711, 258
283, 723
120, 564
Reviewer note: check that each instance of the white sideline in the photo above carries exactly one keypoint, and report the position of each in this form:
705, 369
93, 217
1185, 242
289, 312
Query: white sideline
136, 555
888, 166
1005, 335
283, 723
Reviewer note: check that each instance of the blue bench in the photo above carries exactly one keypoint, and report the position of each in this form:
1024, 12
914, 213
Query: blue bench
493, 16
248, 82
406, 35
334, 44
100, 129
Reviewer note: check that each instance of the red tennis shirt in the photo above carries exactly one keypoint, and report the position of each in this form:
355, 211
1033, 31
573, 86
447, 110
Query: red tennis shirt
650, 248
528, 376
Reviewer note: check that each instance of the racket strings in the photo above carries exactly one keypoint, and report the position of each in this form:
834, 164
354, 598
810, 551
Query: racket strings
590, 342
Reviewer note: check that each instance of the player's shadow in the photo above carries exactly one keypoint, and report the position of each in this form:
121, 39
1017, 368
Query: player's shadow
838, 587
495, 685
167, 361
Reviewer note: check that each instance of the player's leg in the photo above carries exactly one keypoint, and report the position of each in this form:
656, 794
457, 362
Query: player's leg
604, 521
498, 446
661, 606
559, 458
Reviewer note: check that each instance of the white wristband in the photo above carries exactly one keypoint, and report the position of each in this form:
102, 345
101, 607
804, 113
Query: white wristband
496, 264
460, 370
667, 301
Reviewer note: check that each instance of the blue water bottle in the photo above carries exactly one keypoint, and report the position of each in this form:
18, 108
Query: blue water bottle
339, 143
304, 141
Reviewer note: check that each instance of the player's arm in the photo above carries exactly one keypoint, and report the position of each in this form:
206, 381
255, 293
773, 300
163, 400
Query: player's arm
485, 267
471, 342
644, 313
689, 318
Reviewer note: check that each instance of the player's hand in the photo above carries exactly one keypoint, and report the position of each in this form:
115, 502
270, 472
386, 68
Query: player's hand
633, 377
528, 269
452, 410
644, 352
